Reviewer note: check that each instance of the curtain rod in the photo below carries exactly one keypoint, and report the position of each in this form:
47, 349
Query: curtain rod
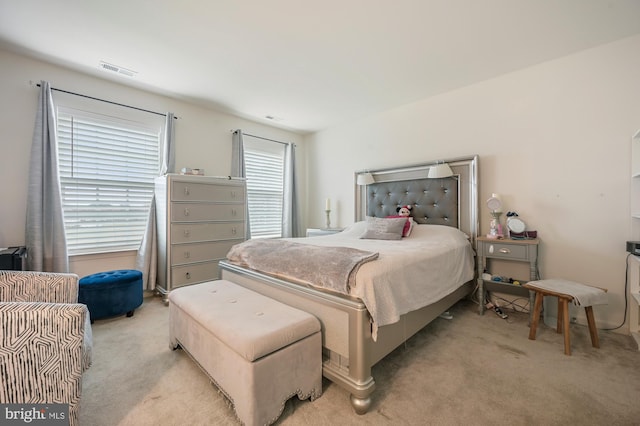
109, 102
260, 137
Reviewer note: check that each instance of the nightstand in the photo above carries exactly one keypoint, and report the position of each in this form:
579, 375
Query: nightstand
316, 232
509, 250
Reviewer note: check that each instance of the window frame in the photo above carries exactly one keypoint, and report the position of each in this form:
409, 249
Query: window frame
101, 112
257, 147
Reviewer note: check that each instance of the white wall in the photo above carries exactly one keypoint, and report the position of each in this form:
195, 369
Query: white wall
553, 140
203, 139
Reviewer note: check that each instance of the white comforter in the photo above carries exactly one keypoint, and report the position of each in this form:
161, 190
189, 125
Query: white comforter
410, 273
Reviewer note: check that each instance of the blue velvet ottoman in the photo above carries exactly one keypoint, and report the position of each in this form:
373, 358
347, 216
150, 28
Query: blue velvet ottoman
112, 293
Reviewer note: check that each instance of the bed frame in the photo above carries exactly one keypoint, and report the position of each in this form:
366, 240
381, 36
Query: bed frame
349, 351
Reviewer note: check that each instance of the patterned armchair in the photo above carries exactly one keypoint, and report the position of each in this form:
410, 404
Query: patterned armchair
45, 343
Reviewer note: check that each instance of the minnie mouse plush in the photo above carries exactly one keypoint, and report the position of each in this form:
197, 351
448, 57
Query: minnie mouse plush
404, 210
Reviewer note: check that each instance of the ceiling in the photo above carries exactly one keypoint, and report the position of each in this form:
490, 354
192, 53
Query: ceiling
308, 65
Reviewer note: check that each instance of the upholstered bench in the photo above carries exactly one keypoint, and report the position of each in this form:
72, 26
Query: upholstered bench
567, 291
111, 293
259, 352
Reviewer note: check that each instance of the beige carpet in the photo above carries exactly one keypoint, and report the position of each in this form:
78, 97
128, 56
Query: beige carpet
472, 370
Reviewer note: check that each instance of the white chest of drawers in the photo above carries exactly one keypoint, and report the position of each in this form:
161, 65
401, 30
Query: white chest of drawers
198, 218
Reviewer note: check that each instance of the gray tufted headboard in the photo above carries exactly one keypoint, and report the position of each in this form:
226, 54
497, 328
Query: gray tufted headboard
433, 201
451, 201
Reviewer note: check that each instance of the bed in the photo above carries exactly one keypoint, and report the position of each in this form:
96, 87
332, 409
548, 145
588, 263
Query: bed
357, 332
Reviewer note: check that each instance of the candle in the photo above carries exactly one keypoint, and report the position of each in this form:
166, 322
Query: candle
328, 204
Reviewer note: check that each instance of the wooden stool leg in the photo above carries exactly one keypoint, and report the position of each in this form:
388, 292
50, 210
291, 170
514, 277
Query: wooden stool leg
559, 323
565, 328
593, 331
536, 316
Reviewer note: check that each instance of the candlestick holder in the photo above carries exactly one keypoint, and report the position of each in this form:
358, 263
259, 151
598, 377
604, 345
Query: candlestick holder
328, 212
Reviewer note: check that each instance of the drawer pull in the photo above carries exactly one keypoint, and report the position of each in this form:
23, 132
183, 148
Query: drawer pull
234, 212
233, 194
233, 231
186, 190
187, 232
186, 212
505, 250
188, 275
187, 255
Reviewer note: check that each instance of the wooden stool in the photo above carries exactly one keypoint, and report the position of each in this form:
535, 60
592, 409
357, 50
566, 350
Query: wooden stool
566, 291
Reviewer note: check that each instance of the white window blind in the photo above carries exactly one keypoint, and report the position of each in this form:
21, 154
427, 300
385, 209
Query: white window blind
107, 171
264, 164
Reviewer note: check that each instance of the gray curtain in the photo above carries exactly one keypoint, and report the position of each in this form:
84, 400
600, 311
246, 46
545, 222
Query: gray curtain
238, 169
237, 155
147, 258
168, 160
44, 232
291, 215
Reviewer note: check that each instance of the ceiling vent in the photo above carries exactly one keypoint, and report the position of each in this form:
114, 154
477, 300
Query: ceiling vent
117, 69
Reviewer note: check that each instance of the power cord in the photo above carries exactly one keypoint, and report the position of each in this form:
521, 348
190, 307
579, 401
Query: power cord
626, 295
516, 307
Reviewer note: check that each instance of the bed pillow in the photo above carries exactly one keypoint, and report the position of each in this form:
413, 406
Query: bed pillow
408, 226
384, 228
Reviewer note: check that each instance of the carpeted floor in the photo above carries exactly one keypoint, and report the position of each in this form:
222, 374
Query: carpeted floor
472, 370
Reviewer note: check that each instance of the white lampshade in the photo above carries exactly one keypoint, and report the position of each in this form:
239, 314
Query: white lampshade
441, 170
365, 179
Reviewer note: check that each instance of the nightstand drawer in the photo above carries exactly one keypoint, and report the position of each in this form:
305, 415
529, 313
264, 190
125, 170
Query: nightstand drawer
506, 251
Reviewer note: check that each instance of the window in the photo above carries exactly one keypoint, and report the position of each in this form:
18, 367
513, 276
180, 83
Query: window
107, 170
264, 164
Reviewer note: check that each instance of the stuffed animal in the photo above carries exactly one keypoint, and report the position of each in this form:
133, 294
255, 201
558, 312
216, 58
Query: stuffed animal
405, 211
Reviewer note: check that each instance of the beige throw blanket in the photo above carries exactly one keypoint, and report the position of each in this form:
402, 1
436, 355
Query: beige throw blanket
333, 268
583, 295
